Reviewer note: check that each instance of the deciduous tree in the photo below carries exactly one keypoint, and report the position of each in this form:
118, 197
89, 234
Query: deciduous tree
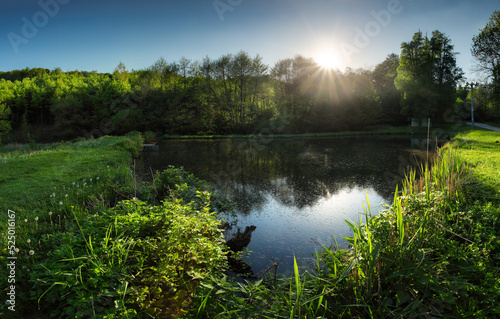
427, 75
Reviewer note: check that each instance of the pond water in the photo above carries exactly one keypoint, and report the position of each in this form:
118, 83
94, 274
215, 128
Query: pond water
298, 192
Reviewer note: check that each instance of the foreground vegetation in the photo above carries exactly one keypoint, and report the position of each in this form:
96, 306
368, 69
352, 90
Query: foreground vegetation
86, 246
95, 242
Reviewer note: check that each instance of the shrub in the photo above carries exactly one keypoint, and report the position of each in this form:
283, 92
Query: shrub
132, 143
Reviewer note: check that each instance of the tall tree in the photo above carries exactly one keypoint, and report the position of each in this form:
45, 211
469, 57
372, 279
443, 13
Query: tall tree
121, 73
486, 49
383, 77
427, 75
6, 94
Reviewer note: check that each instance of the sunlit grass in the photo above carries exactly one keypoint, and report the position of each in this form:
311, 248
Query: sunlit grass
481, 149
29, 176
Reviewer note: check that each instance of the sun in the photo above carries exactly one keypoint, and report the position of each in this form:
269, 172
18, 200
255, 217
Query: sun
327, 59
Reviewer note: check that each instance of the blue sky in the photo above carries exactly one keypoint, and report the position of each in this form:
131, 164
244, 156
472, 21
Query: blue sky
97, 35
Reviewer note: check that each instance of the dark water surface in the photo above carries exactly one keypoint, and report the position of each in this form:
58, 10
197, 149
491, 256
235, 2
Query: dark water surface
297, 192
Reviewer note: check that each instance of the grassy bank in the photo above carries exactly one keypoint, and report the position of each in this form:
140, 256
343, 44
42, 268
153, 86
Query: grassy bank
89, 240
481, 149
40, 176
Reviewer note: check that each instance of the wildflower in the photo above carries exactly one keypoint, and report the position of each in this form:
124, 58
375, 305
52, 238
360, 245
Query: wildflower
31, 252
17, 250
60, 203
72, 206
28, 241
36, 218
66, 195
97, 178
25, 220
50, 213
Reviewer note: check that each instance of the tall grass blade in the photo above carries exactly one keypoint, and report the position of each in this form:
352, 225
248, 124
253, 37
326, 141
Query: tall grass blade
297, 277
354, 262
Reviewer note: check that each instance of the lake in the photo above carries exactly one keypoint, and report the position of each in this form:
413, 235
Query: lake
298, 192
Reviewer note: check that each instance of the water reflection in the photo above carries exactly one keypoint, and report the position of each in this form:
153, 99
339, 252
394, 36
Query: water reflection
298, 192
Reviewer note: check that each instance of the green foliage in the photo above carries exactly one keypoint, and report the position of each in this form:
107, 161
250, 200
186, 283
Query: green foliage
427, 76
179, 184
87, 253
486, 49
132, 142
134, 258
383, 77
4, 123
234, 94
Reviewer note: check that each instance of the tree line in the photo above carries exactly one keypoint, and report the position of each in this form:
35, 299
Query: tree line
239, 94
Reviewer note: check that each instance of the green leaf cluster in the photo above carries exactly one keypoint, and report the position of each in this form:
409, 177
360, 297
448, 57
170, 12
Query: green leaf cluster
428, 76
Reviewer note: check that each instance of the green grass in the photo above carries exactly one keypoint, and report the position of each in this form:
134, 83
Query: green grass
481, 148
29, 176
86, 246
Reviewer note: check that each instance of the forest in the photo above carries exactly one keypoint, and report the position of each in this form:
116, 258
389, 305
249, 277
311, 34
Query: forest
239, 94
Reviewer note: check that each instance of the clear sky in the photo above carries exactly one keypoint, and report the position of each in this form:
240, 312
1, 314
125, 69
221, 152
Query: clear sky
96, 35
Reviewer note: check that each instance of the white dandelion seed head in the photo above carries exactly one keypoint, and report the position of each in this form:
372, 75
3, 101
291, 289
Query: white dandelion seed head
32, 252
50, 213
66, 195
36, 218
17, 250
60, 203
25, 220
28, 241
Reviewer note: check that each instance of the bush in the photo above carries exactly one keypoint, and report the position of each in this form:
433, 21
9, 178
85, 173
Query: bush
132, 143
